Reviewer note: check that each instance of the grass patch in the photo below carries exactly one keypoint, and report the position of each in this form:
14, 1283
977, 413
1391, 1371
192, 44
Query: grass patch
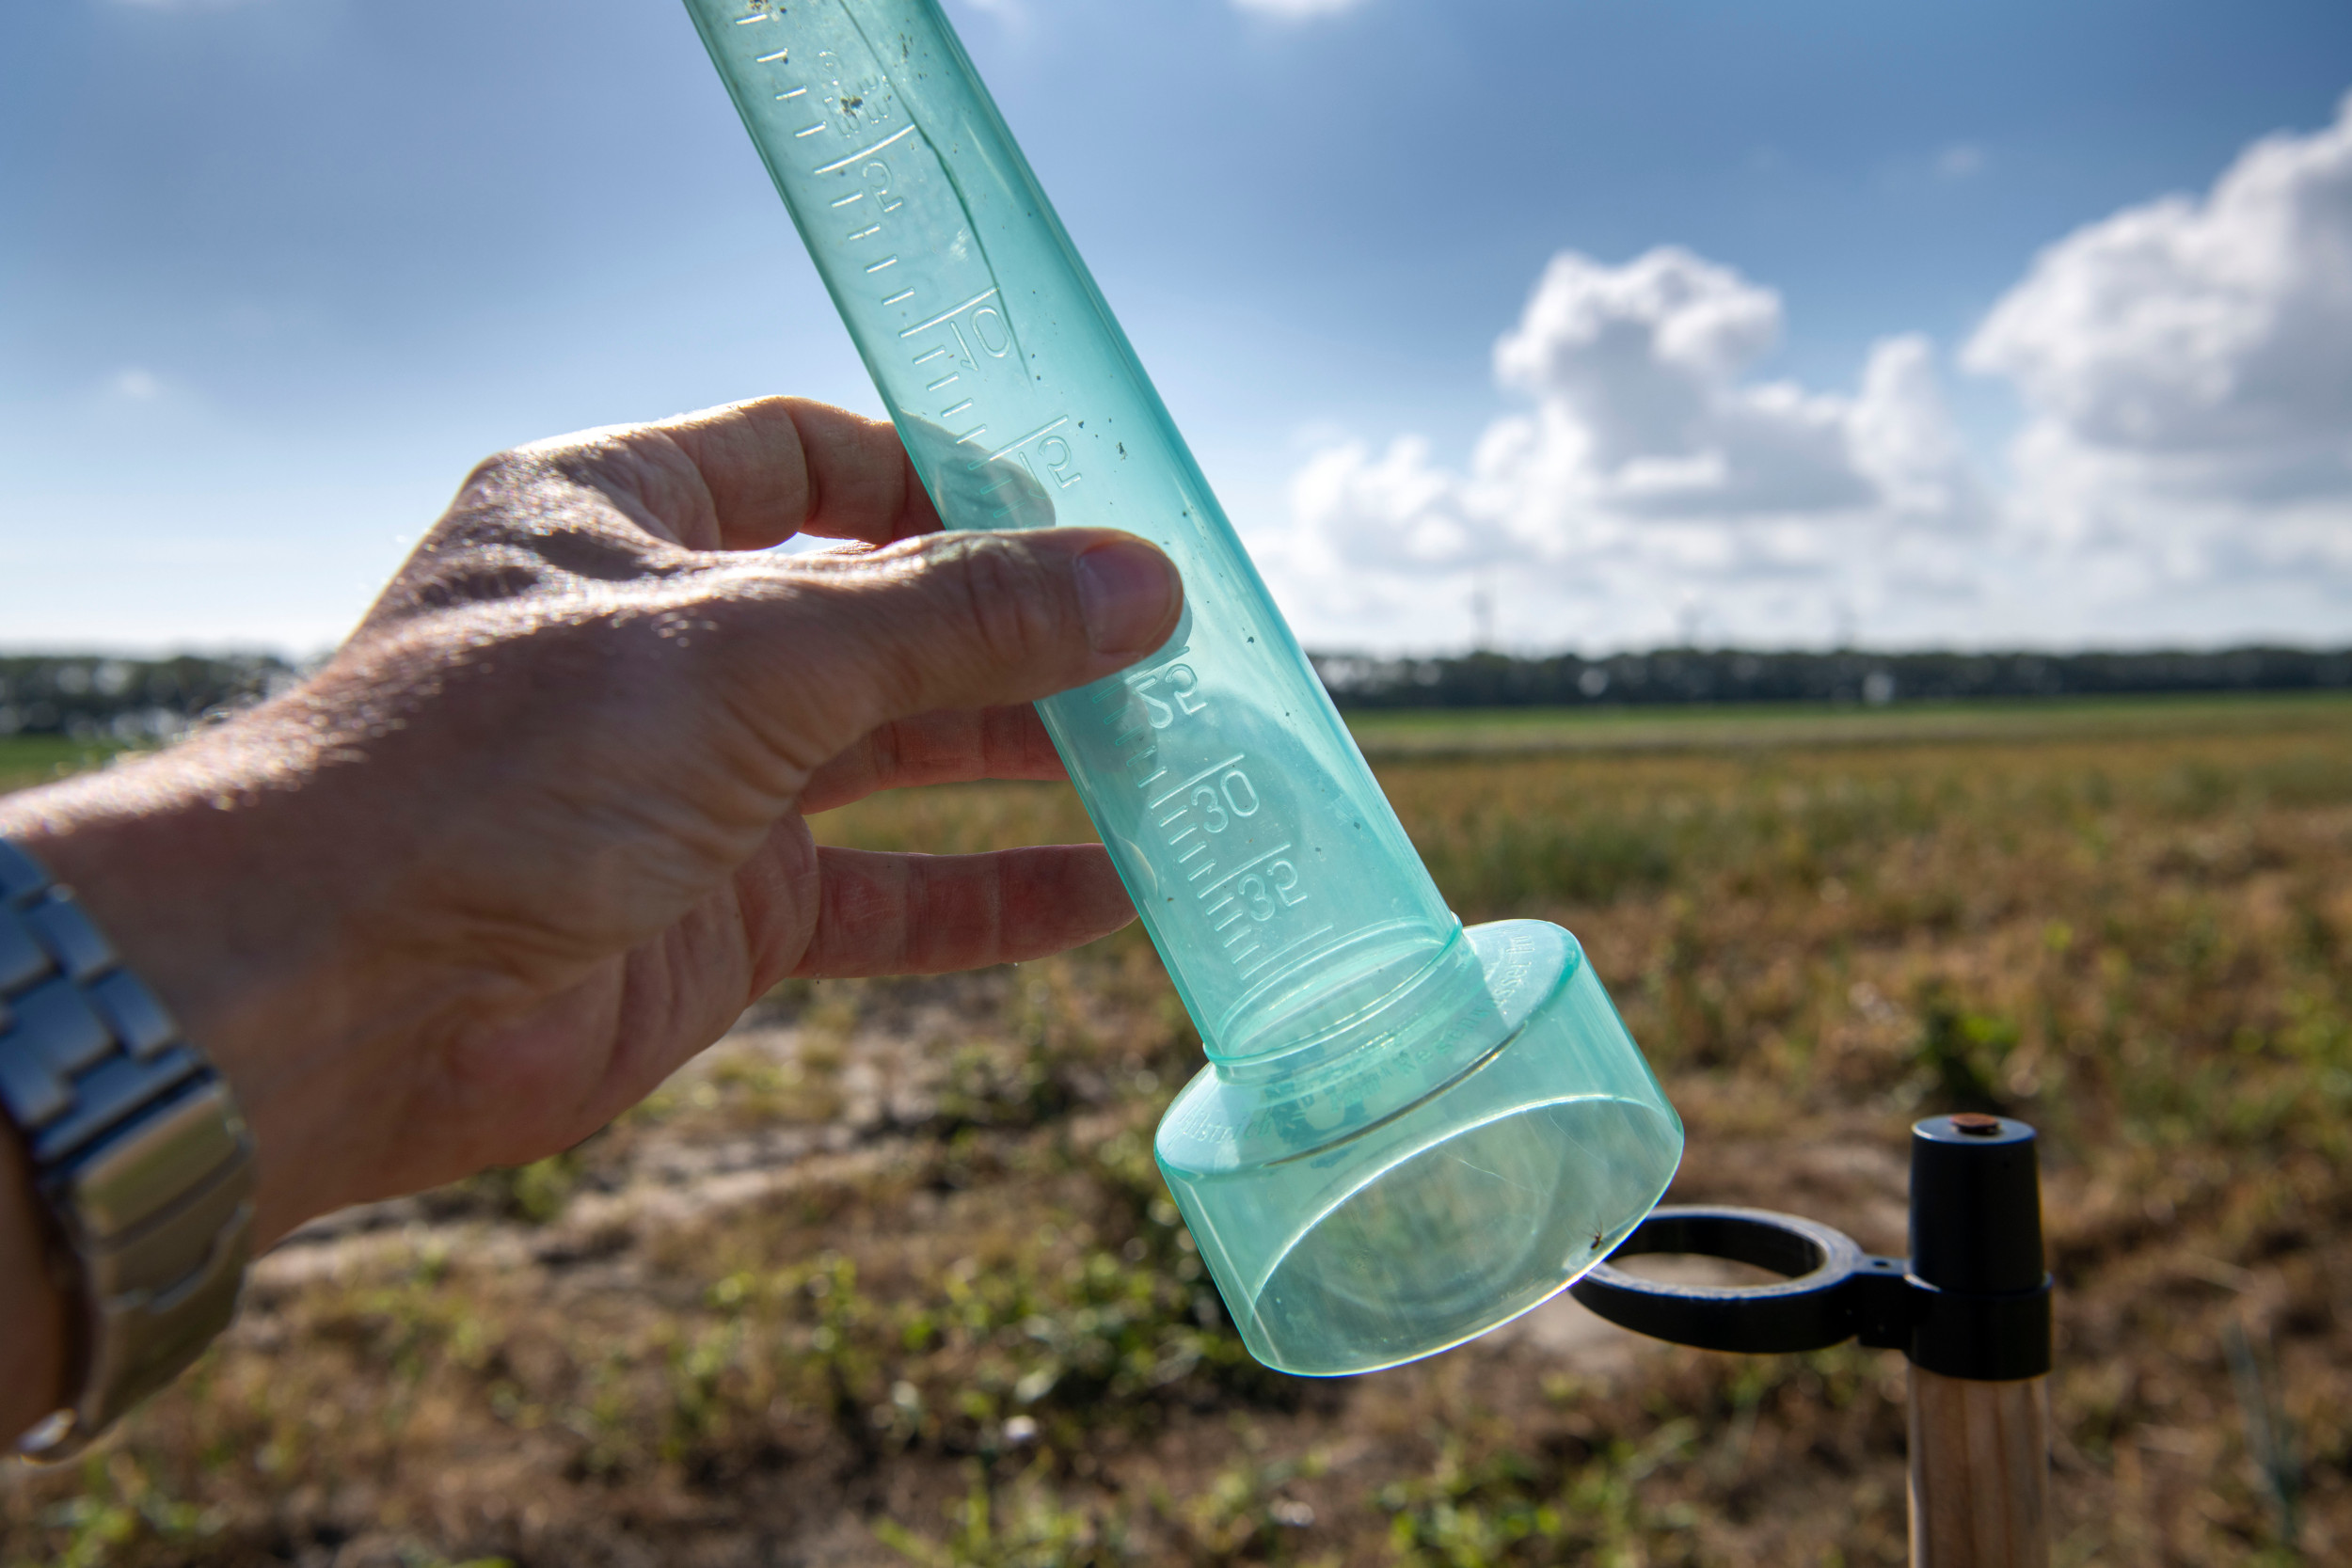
889, 1276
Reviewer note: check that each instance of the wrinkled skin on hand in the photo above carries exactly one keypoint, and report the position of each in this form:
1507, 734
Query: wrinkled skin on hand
537, 832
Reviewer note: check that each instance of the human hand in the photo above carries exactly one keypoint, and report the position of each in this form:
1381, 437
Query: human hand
536, 833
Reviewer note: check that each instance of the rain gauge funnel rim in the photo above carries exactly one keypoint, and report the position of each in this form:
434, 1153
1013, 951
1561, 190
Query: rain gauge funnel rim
1408, 1131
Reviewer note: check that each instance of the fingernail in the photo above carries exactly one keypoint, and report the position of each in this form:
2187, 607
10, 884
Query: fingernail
1126, 590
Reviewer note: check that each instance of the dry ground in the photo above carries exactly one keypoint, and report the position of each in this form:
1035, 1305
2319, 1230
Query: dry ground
888, 1277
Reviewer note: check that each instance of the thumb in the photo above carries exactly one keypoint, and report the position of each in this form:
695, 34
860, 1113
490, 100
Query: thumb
950, 621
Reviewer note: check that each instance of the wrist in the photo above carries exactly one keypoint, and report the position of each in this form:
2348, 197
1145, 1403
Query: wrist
32, 1305
195, 865
141, 1166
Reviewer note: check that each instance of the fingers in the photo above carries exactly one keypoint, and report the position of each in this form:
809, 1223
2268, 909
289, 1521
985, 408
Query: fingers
819, 651
776, 467
937, 747
924, 915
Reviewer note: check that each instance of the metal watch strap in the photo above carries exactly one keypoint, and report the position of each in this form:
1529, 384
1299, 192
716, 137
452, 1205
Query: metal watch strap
137, 1151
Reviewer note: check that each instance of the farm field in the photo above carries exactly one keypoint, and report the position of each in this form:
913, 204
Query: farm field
888, 1277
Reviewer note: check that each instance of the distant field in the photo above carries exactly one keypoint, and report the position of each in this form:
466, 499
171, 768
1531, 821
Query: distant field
1429, 732
1435, 732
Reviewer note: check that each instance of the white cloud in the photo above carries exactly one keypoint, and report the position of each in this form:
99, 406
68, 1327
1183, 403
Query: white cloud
1960, 161
1011, 13
1649, 472
2185, 471
136, 385
1295, 10
2187, 366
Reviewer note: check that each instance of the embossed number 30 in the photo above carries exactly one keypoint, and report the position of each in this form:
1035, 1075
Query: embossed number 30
1211, 810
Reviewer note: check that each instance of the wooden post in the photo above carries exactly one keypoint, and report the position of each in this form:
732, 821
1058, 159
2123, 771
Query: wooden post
1979, 1472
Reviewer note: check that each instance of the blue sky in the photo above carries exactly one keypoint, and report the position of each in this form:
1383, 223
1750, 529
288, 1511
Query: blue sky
274, 273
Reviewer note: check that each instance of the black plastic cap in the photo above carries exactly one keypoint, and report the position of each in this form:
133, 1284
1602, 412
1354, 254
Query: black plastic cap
1975, 1205
1980, 1300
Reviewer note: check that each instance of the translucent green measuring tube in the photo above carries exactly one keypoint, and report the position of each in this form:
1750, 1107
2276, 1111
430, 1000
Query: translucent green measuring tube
1407, 1133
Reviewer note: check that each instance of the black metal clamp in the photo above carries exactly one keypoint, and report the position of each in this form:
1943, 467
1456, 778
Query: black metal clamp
1972, 1301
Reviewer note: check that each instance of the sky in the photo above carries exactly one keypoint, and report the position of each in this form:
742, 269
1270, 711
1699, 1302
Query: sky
1546, 323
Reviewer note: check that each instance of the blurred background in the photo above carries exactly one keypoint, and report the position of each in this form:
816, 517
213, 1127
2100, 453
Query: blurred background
1848, 508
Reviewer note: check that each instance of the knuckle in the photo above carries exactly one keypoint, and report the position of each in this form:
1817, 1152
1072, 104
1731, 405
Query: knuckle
1010, 600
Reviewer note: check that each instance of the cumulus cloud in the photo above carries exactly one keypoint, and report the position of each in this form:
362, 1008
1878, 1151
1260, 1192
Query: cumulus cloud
2183, 472
1960, 161
1650, 469
2187, 366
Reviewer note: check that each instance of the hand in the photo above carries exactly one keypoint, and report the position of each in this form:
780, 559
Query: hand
536, 833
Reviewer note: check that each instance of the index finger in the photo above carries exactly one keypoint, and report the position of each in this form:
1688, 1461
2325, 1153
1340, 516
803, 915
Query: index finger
775, 467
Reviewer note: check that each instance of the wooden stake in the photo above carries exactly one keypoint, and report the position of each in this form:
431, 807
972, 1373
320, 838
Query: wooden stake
1979, 1472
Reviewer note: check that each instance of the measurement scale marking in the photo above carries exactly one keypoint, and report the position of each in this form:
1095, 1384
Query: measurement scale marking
879, 265
948, 380
770, 59
787, 97
1206, 772
1293, 947
810, 132
1015, 446
926, 326
899, 134
924, 358
899, 299
747, 21
952, 413
867, 233
1179, 838
1243, 866
1200, 848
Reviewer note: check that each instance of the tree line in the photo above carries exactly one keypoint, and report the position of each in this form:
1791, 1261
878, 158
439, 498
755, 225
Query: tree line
1667, 675
91, 696
94, 695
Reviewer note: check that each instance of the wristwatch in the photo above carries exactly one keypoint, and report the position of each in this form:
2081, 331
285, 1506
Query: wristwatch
138, 1154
